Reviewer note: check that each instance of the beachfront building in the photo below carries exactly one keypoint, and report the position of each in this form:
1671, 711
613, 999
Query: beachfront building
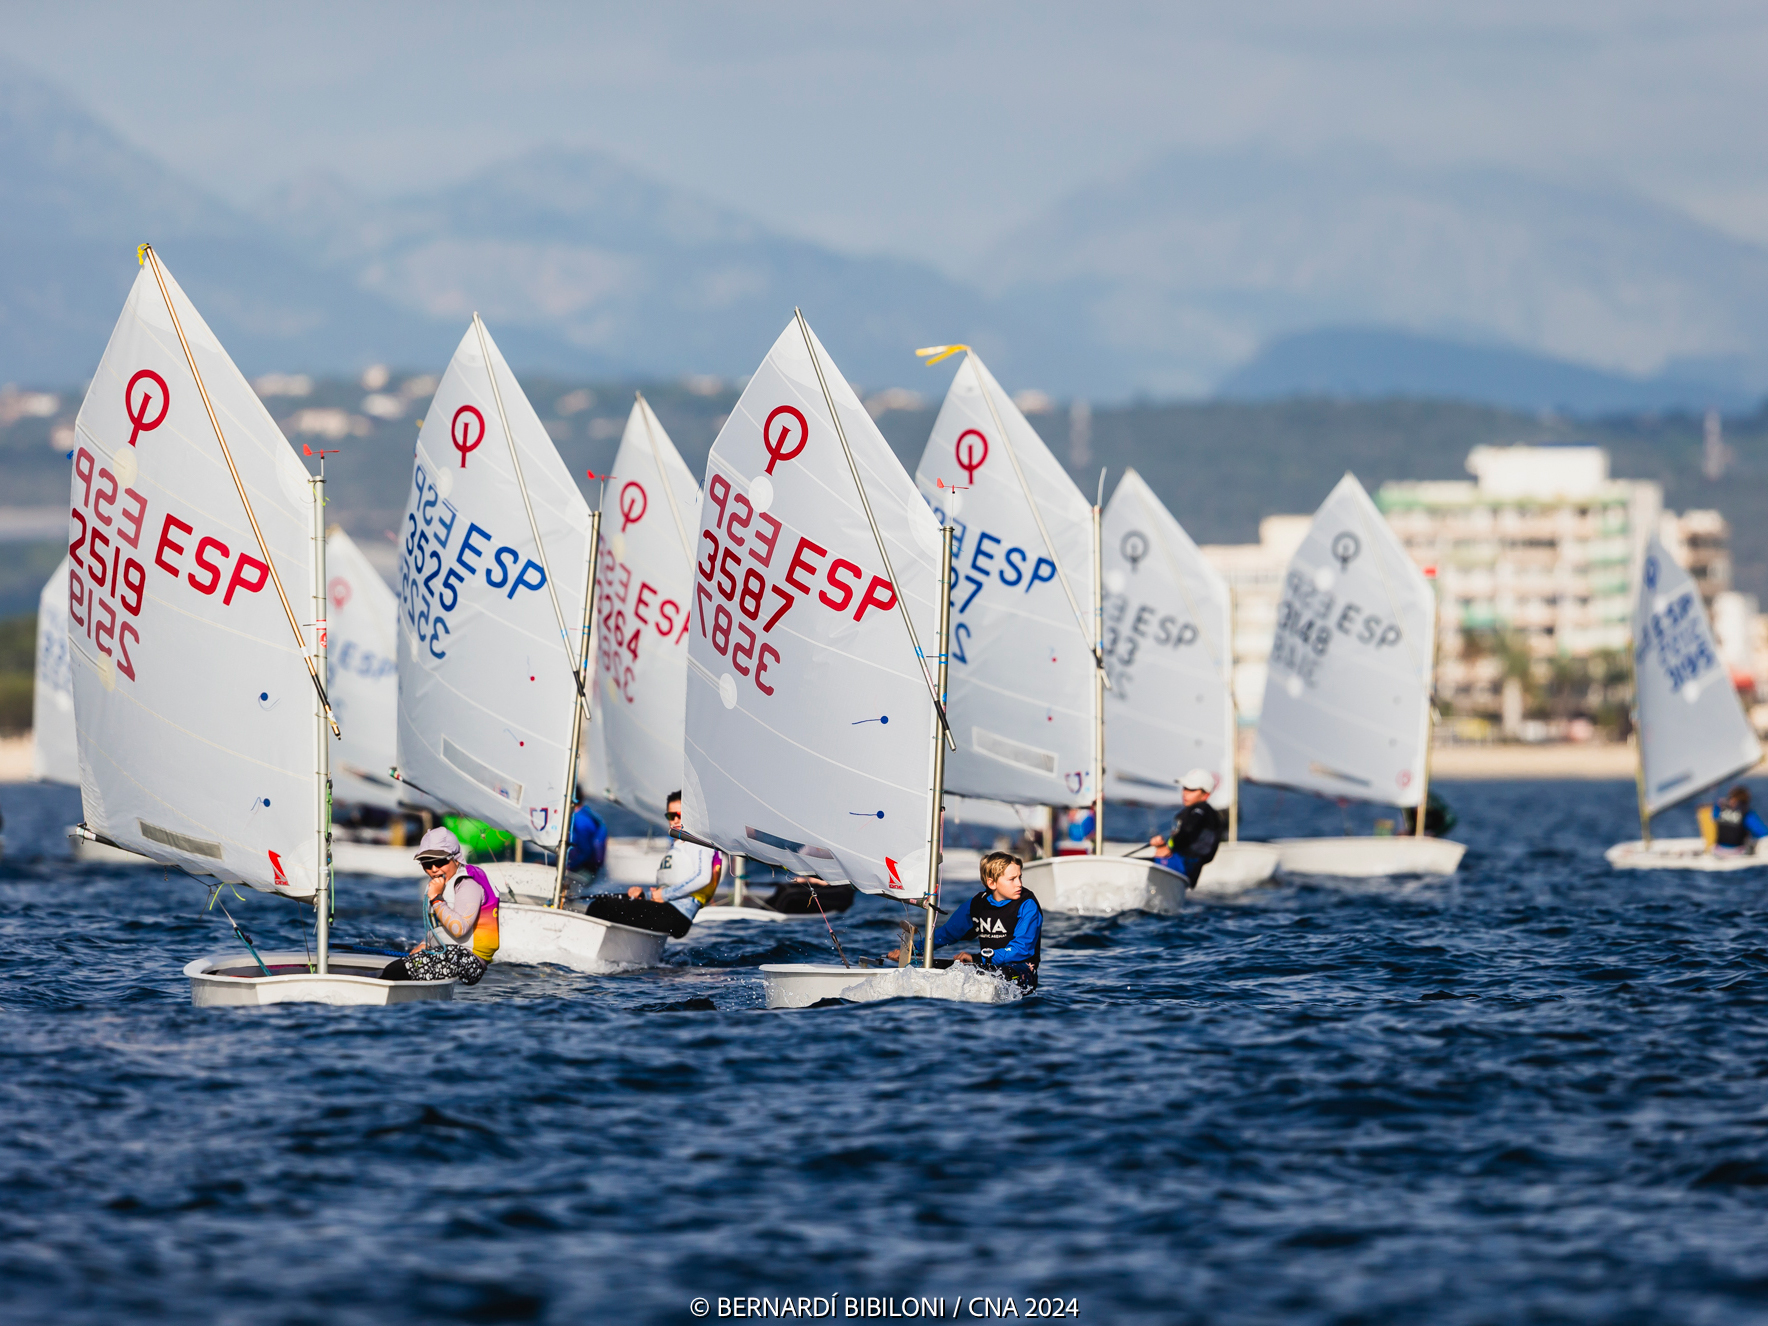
1254, 572
1535, 559
1701, 542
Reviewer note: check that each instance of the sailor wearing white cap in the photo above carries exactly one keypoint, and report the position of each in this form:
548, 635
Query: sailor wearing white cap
460, 907
1196, 831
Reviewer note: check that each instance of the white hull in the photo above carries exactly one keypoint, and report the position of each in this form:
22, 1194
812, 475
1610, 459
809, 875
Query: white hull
528, 882
801, 984
353, 858
1677, 854
721, 912
1236, 868
236, 980
1367, 858
529, 934
1104, 886
633, 860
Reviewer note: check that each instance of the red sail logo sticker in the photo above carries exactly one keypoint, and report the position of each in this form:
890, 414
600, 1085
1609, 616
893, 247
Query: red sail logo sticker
970, 454
139, 404
282, 880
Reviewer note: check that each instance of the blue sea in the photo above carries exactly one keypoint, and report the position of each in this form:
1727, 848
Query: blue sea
1535, 1092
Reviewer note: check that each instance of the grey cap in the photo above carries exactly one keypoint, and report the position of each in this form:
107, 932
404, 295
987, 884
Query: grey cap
1198, 780
439, 842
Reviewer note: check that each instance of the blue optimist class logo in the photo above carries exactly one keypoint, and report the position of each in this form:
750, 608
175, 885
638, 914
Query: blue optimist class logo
1651, 572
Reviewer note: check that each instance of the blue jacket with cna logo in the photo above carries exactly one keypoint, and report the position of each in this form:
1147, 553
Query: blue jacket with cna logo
1021, 952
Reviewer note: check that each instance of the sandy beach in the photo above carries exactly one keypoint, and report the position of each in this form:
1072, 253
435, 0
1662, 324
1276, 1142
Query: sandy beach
1544, 761
15, 759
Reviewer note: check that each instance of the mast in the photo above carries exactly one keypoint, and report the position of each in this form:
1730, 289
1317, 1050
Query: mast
322, 894
1098, 682
1638, 743
936, 808
1429, 715
577, 703
1233, 731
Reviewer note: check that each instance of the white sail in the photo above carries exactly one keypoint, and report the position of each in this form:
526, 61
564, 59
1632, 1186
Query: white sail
593, 775
1347, 697
197, 717
810, 719
1021, 680
489, 618
1169, 653
1693, 731
55, 751
363, 667
642, 618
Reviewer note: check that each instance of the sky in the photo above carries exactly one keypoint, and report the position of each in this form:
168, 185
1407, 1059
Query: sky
915, 129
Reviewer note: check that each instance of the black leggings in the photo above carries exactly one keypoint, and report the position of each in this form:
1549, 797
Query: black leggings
640, 914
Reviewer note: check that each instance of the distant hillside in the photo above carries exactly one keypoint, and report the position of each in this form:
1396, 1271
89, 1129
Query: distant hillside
631, 275
78, 200
1164, 279
1188, 265
1362, 363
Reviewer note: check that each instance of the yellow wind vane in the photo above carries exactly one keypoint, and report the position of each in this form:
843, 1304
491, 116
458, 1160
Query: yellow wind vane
939, 352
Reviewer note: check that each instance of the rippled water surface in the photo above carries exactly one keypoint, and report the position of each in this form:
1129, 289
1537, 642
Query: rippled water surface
1535, 1092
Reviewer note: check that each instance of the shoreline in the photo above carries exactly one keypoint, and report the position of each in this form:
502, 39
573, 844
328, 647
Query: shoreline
1515, 761
1523, 762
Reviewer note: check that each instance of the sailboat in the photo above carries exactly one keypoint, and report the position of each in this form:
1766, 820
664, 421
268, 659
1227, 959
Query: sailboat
1692, 731
363, 682
814, 737
496, 598
196, 627
55, 751
1027, 675
1169, 651
642, 624
646, 575
1347, 706
55, 743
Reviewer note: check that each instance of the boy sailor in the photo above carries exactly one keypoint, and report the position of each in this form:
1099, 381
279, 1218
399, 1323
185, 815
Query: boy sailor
1004, 919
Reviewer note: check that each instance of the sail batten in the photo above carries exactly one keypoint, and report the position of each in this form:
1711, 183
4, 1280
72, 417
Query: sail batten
1347, 696
1693, 732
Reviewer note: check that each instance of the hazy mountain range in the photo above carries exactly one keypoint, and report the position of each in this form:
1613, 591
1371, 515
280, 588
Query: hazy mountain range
1343, 275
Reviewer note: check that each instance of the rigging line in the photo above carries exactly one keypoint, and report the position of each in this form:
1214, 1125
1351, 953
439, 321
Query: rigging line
240, 934
148, 256
552, 588
1037, 515
877, 534
663, 473
831, 929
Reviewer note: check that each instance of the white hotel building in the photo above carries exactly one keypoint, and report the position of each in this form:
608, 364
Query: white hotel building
1539, 547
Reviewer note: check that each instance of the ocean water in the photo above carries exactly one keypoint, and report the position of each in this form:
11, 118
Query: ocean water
1537, 1091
